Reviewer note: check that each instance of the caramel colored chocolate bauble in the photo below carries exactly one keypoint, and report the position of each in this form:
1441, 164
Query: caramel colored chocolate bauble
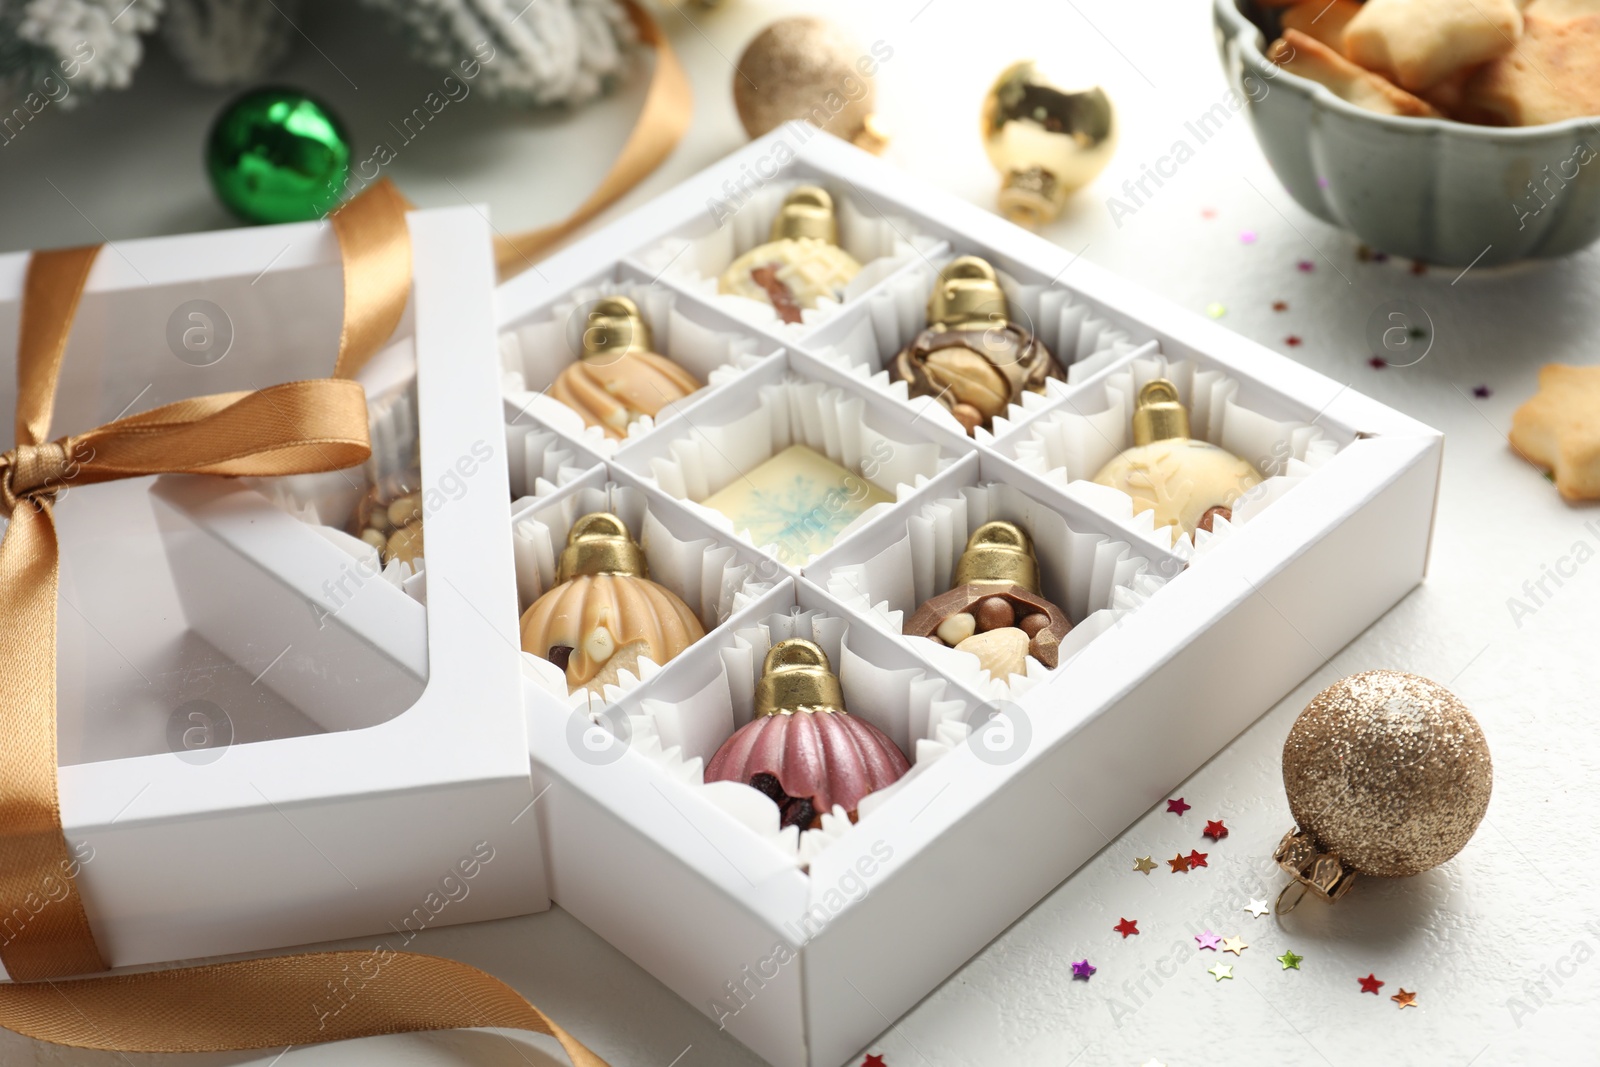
1388, 773
617, 378
606, 613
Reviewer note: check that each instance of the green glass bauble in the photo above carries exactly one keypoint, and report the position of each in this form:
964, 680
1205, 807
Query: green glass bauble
278, 155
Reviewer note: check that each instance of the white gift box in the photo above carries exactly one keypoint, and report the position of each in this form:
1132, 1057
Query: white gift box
806, 946
265, 739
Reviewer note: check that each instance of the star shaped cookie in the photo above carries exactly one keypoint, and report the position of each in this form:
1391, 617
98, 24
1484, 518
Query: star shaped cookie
1560, 429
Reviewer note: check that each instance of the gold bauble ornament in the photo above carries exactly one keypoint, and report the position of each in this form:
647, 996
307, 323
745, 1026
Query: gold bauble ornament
1388, 775
808, 68
1048, 136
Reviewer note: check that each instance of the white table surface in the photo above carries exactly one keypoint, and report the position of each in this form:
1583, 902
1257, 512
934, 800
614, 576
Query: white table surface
1497, 944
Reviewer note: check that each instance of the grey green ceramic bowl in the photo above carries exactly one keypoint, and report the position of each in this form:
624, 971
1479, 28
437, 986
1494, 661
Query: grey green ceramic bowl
1429, 189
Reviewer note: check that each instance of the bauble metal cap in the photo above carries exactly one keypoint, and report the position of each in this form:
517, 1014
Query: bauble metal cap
807, 213
796, 677
968, 294
1158, 414
999, 552
599, 543
613, 327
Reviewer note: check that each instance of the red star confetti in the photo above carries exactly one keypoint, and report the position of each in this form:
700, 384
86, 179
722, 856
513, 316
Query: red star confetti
1293, 341
1208, 212
1178, 807
872, 1061
1215, 830
1126, 927
1481, 392
1280, 305
1419, 268
1369, 984
1198, 859
1208, 940
1247, 237
1404, 999
1082, 969
1377, 363
1305, 266
1178, 863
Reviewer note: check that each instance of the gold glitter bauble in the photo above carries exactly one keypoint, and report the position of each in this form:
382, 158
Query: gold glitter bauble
807, 68
1048, 135
1387, 771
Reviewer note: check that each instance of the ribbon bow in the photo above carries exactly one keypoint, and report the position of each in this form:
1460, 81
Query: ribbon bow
297, 427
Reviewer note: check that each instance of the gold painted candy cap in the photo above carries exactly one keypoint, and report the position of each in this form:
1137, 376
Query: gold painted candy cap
806, 212
967, 294
599, 543
796, 677
1158, 414
999, 552
614, 327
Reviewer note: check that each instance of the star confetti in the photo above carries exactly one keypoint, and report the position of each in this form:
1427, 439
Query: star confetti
1126, 927
1280, 305
1215, 830
1178, 863
1235, 945
1221, 971
872, 1061
1305, 266
1144, 865
1178, 807
1216, 310
1198, 859
1419, 268
1247, 237
1208, 212
1290, 961
1258, 908
1293, 340
1481, 392
1082, 969
1377, 363
1369, 984
1208, 940
1404, 999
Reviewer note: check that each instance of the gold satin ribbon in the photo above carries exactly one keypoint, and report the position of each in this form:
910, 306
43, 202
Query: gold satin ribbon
668, 109
297, 427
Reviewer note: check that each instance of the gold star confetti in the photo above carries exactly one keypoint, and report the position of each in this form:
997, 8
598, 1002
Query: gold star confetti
1221, 970
1404, 999
1234, 945
1258, 908
1289, 960
1144, 865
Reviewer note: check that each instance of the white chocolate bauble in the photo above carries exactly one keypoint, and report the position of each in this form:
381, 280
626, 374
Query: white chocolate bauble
1179, 478
811, 269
